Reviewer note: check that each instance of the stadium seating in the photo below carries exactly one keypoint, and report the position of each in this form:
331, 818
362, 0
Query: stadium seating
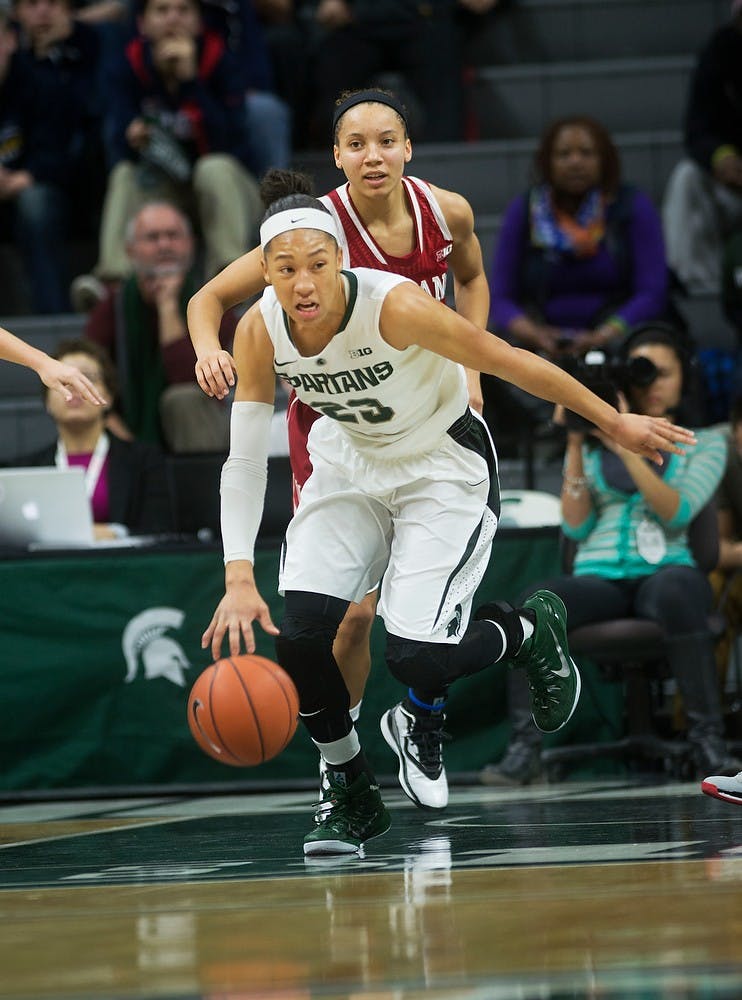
625, 61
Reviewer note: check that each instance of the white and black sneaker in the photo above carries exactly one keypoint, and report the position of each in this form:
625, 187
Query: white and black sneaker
417, 743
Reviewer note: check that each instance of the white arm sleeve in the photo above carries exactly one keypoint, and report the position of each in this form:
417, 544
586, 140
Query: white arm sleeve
244, 477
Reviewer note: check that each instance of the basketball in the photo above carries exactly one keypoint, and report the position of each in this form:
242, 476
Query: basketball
243, 710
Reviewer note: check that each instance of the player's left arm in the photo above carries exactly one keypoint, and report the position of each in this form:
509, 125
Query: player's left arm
471, 288
410, 316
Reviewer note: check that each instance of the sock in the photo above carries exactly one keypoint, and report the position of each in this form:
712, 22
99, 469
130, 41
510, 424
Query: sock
515, 625
503, 637
355, 712
346, 774
344, 758
528, 621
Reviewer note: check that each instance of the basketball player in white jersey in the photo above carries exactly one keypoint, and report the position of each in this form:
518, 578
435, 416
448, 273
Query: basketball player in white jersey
64, 379
396, 224
403, 488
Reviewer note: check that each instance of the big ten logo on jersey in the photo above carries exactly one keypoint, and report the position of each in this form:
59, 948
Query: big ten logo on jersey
443, 252
362, 352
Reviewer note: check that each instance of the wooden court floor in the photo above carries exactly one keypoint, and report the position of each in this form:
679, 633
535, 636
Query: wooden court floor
600, 890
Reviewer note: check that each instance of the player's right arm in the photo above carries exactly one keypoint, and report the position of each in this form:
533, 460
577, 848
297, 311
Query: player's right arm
243, 278
243, 483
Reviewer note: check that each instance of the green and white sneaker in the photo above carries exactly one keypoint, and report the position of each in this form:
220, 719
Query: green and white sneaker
553, 676
356, 815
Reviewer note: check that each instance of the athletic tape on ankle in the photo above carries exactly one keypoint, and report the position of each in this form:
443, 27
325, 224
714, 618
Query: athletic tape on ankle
340, 751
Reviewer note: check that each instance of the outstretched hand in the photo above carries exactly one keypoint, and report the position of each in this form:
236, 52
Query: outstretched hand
238, 609
215, 373
649, 436
69, 381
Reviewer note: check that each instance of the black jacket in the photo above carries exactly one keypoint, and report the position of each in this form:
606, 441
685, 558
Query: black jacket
714, 112
63, 113
137, 486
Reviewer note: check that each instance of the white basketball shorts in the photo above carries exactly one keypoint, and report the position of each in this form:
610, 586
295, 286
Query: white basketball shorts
423, 526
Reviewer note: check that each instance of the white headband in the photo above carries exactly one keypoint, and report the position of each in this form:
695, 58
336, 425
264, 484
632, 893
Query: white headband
297, 218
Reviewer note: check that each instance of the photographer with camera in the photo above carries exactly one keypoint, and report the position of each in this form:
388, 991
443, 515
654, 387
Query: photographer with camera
630, 519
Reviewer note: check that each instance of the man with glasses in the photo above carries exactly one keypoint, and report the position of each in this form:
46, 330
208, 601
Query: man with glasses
142, 323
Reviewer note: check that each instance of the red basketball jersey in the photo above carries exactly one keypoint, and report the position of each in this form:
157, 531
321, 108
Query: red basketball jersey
425, 264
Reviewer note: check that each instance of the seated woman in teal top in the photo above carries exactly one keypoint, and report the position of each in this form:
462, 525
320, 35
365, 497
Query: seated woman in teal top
630, 519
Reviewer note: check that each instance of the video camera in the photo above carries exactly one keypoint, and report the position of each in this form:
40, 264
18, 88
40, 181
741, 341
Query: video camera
606, 377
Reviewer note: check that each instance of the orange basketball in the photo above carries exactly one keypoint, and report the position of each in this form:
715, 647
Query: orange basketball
243, 710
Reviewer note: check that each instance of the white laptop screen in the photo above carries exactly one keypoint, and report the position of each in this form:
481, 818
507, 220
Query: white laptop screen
46, 506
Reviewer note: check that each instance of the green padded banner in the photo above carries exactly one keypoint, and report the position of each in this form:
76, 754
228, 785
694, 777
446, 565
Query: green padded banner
99, 652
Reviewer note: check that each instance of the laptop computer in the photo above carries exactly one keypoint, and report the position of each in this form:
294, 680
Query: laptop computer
44, 506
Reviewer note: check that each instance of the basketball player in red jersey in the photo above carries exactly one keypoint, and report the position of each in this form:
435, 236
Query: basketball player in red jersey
393, 223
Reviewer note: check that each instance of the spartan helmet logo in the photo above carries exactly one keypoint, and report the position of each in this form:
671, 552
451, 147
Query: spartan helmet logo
161, 656
454, 626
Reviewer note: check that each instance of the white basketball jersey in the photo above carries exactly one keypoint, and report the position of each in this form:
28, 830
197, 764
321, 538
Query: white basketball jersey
390, 403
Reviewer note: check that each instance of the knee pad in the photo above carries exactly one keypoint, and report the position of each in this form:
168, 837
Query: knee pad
313, 669
436, 665
311, 615
304, 650
418, 664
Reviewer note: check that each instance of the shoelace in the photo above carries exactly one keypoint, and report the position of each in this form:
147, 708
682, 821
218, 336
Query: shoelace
332, 805
325, 805
428, 738
540, 685
346, 810
322, 810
